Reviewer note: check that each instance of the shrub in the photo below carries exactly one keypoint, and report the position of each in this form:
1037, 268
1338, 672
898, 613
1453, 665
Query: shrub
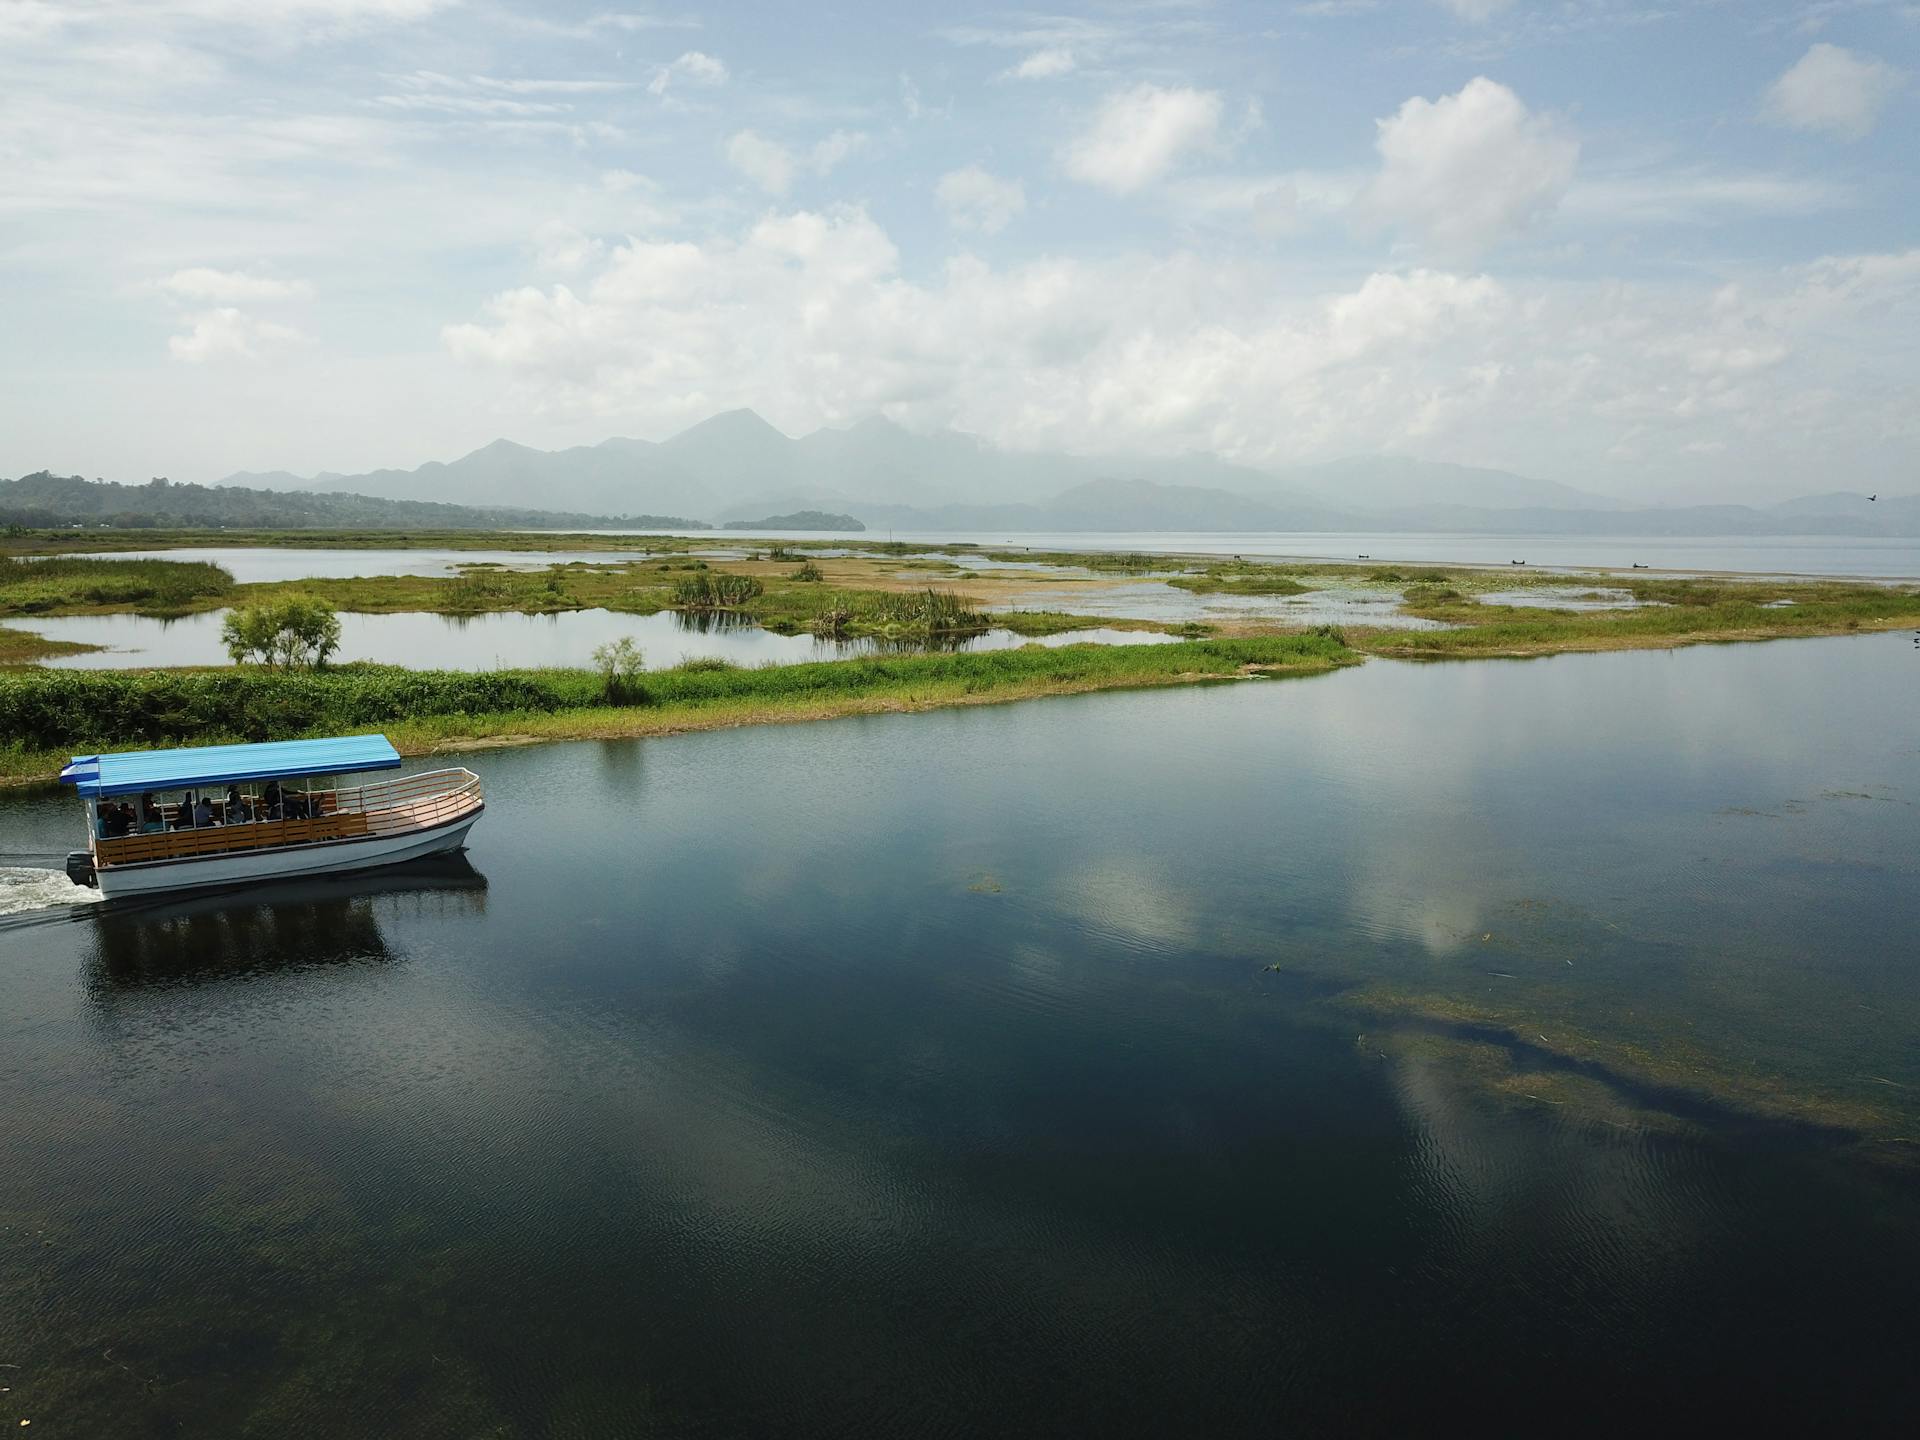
620, 663
296, 633
809, 572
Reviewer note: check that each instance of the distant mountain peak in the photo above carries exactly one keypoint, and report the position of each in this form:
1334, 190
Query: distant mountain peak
732, 423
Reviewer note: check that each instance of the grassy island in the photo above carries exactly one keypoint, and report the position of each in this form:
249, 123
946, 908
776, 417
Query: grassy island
48, 715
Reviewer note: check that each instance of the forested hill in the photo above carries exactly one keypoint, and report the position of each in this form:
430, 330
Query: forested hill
46, 501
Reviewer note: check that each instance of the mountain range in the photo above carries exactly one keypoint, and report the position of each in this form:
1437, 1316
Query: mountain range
735, 466
44, 501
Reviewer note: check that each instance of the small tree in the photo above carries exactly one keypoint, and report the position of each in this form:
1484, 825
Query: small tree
620, 661
296, 633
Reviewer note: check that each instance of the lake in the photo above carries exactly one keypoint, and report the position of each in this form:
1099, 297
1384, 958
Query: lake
1767, 555
1524, 1040
1881, 558
505, 640
261, 564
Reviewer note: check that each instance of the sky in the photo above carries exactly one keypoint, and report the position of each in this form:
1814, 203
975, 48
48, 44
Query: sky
1668, 250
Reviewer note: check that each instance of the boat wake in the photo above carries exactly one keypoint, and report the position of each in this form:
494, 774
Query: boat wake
23, 889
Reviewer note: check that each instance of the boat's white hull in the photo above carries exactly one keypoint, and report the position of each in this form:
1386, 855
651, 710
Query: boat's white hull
325, 858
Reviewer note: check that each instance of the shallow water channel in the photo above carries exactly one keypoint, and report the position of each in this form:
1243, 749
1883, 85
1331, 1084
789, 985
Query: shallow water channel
505, 640
927, 1074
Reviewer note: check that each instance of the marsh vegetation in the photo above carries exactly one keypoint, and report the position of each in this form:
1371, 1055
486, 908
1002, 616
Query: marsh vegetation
48, 714
65, 583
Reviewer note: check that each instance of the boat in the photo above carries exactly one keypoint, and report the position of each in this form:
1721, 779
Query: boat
263, 827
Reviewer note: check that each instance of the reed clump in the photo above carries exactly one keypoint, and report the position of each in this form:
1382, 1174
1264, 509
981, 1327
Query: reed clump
716, 590
926, 612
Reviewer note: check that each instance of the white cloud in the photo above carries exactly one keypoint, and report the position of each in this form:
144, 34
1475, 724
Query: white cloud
287, 20
1833, 91
1477, 12
828, 153
1467, 170
767, 163
1139, 134
976, 200
229, 333
808, 317
696, 67
561, 248
1042, 65
773, 166
1696, 197
231, 287
638, 20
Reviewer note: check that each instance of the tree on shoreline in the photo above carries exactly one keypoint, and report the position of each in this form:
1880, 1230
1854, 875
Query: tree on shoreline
297, 633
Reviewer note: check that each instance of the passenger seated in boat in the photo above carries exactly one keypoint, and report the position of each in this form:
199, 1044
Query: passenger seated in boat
203, 813
128, 822
114, 820
298, 806
151, 820
271, 803
238, 808
183, 812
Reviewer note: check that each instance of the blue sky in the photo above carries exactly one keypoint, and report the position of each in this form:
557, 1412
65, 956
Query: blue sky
1667, 251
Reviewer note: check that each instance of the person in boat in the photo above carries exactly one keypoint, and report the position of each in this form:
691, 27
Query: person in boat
238, 807
203, 812
183, 815
113, 823
152, 822
271, 803
127, 821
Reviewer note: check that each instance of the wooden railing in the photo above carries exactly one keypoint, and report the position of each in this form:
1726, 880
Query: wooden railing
393, 807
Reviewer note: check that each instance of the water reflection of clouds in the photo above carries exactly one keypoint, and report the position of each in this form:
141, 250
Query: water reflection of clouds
1130, 897
1612, 1201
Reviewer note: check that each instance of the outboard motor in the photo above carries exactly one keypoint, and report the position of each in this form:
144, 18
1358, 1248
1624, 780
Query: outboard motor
80, 868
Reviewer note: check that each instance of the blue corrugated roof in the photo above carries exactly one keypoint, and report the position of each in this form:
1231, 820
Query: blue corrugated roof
136, 770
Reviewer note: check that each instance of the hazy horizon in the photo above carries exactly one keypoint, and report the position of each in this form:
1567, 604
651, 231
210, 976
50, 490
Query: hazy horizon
1665, 256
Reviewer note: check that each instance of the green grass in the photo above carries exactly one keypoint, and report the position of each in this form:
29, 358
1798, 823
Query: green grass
46, 715
892, 614
66, 583
1238, 580
1688, 612
22, 647
716, 590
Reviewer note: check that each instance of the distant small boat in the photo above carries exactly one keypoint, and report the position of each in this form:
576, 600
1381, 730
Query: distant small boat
270, 833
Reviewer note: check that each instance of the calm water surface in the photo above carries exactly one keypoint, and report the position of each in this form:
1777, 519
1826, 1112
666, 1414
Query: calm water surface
495, 641
926, 1074
1894, 558
257, 564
